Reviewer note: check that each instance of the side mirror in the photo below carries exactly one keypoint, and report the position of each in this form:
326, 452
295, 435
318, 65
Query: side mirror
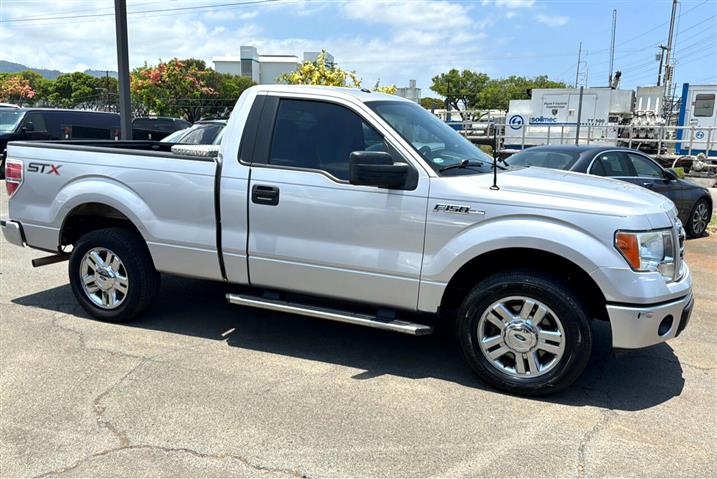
670, 174
29, 126
376, 168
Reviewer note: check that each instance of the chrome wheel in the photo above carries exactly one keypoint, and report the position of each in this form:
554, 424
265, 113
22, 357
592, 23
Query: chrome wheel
104, 278
700, 218
521, 337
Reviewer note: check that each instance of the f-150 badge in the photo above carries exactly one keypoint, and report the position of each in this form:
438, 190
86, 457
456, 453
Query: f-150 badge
459, 209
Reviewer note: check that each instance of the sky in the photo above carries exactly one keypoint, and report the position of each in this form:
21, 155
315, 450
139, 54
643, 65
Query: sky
390, 41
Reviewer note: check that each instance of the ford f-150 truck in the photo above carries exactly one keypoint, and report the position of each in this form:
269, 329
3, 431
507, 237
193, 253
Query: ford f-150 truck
364, 208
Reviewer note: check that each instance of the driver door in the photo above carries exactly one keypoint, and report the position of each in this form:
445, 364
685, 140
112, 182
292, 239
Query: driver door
311, 231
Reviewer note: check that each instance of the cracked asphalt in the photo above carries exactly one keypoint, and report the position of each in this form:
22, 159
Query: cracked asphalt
198, 387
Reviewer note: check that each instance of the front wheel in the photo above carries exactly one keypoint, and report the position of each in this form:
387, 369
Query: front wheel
699, 219
112, 274
525, 332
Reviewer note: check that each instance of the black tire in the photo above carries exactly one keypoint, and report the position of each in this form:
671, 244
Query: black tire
553, 293
143, 278
694, 228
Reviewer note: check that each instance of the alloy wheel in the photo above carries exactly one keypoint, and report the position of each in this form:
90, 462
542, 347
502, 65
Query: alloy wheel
521, 337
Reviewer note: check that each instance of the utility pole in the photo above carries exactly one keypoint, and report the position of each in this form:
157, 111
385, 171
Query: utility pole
124, 105
668, 52
577, 69
662, 58
612, 46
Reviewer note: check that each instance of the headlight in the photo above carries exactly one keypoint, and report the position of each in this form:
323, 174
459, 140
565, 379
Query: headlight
648, 251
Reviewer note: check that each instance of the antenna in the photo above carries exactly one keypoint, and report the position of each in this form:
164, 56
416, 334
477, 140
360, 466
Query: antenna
612, 45
495, 159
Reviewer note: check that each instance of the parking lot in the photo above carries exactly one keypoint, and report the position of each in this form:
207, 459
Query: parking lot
201, 388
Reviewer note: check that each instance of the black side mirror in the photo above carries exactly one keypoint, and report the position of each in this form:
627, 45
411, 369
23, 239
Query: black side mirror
376, 168
670, 174
29, 126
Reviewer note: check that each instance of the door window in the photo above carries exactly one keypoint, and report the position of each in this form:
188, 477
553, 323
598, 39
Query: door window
35, 122
644, 167
320, 136
704, 104
611, 163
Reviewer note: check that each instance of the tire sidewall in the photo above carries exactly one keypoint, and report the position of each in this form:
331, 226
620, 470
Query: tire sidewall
571, 313
131, 264
690, 229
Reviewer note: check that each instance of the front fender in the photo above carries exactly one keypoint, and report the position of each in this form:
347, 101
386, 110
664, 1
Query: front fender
441, 262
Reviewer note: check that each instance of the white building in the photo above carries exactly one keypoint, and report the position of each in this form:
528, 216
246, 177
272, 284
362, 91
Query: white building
410, 92
262, 69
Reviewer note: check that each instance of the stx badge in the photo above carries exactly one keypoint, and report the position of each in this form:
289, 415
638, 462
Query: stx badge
46, 168
459, 209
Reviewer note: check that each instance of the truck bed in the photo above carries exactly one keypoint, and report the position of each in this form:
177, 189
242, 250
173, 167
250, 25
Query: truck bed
169, 198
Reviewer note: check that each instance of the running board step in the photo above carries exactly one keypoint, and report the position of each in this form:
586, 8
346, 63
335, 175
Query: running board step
395, 325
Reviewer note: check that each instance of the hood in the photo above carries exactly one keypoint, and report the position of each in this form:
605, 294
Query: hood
557, 189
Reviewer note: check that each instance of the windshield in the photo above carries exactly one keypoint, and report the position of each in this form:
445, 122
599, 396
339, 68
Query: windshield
9, 118
439, 144
560, 160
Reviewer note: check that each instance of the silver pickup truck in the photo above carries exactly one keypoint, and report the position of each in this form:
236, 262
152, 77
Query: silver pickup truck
364, 208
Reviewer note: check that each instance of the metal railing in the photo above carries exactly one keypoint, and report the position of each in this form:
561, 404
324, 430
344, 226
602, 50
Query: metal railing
659, 139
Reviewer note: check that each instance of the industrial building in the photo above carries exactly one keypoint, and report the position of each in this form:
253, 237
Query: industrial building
262, 69
410, 92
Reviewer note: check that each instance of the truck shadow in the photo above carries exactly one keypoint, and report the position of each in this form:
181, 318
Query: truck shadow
633, 381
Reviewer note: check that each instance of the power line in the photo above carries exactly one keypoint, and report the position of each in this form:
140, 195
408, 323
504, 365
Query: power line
136, 12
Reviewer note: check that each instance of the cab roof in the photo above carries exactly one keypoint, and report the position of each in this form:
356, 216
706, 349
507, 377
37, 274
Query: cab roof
362, 95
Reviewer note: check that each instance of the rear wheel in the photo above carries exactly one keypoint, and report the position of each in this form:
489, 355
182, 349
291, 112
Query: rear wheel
112, 274
699, 218
525, 332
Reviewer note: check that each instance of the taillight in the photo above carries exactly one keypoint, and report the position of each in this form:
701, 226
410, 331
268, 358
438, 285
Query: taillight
13, 176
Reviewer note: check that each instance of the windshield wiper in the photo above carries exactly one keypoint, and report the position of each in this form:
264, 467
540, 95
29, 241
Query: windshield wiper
466, 164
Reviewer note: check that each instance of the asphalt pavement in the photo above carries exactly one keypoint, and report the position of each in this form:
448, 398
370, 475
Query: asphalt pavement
198, 387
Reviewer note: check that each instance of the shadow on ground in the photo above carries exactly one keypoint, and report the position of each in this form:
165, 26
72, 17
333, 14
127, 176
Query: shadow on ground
633, 381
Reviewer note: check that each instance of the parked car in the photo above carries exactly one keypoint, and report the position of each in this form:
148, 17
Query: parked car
54, 124
363, 208
203, 132
694, 203
156, 127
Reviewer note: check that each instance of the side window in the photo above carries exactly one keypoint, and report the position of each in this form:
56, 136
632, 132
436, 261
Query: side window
704, 104
320, 136
611, 163
35, 122
644, 167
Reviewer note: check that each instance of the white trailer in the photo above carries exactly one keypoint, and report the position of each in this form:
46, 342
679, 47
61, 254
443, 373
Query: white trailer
551, 116
698, 121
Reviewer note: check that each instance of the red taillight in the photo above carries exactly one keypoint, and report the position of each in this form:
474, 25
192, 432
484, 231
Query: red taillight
13, 176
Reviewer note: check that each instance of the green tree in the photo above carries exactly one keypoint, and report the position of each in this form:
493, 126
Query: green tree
70, 89
460, 88
498, 92
430, 103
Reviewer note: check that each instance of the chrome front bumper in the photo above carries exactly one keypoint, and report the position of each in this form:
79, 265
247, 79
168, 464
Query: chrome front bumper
639, 326
12, 230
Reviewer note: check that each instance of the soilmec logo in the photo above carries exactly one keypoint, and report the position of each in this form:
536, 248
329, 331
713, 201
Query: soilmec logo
46, 168
516, 122
542, 119
699, 134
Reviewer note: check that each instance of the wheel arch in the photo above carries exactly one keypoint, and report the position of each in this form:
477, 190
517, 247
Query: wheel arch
92, 216
504, 259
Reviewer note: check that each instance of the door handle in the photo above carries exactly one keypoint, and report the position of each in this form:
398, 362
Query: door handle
648, 184
265, 195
